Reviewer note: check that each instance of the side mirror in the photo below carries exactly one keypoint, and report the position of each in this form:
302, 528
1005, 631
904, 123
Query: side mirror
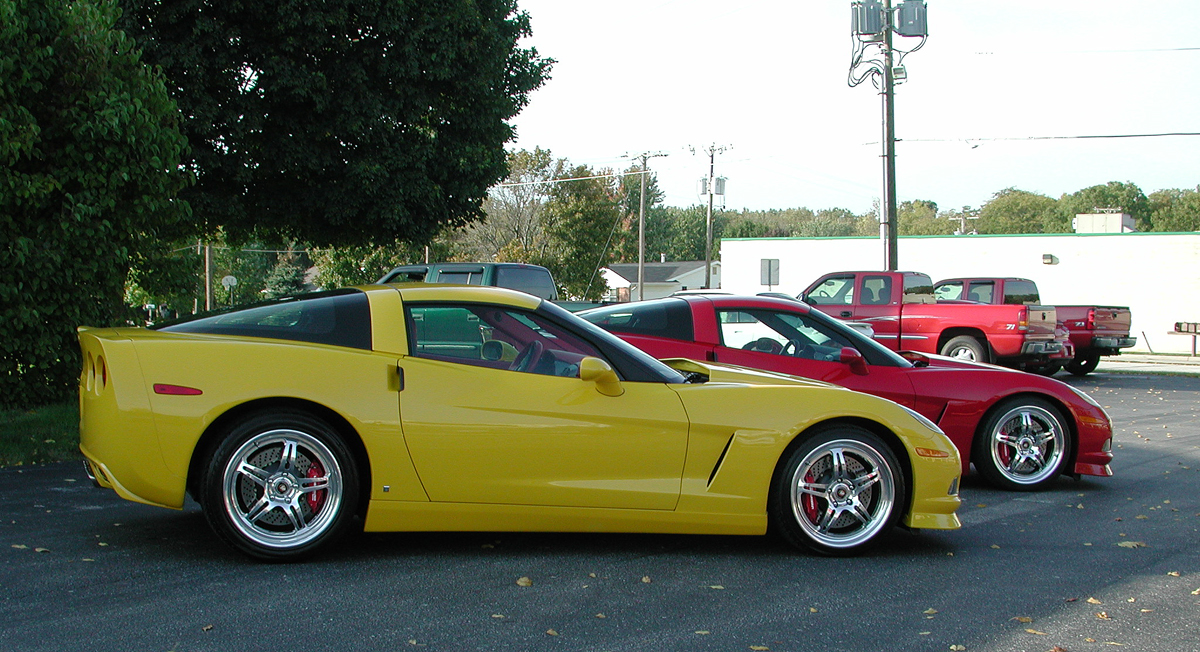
595, 370
852, 357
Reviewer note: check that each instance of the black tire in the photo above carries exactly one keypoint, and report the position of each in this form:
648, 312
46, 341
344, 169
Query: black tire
1084, 365
1048, 369
965, 347
1022, 445
834, 512
280, 486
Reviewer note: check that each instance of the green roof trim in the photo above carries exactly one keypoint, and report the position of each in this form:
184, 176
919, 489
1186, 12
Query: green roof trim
989, 235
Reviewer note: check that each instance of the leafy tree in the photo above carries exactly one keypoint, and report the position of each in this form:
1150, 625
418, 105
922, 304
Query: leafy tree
342, 122
287, 277
584, 218
339, 267
1175, 210
920, 217
90, 152
1126, 197
514, 218
1019, 211
657, 222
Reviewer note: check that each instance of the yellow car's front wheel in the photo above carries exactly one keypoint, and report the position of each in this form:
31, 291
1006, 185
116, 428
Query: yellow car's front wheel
280, 486
838, 491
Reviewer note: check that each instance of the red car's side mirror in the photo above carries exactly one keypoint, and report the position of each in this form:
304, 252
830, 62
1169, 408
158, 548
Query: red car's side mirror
851, 356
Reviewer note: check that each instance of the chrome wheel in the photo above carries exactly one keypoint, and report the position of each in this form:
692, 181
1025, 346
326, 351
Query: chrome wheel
282, 488
1026, 445
840, 491
965, 347
280, 485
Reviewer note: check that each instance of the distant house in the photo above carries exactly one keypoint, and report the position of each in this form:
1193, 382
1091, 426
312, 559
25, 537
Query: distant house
662, 279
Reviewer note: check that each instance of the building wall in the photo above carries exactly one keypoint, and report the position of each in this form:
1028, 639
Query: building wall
1156, 274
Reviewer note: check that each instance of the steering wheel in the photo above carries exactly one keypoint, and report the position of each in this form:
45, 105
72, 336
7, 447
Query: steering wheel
764, 345
798, 349
528, 357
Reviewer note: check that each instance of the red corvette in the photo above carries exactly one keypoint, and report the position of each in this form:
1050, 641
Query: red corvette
1021, 430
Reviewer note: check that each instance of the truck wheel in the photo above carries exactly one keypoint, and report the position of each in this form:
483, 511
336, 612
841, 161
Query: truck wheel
965, 347
1048, 369
1083, 365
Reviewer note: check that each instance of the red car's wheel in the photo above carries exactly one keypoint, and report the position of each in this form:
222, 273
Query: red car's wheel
1022, 445
837, 491
280, 486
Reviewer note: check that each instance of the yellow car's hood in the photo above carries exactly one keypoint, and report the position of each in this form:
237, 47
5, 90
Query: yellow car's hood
728, 373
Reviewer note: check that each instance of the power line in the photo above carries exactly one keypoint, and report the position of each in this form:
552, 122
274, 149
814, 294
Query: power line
550, 181
1026, 138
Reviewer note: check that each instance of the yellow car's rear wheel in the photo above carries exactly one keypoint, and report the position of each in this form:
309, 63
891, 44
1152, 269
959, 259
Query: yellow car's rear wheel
838, 491
280, 486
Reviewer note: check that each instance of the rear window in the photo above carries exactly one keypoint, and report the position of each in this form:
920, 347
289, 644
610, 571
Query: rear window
669, 318
530, 280
339, 318
1020, 293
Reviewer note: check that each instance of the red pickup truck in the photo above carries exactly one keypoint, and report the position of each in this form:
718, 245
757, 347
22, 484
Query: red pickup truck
903, 311
1093, 330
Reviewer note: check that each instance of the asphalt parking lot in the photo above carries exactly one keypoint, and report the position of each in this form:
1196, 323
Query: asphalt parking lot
1092, 564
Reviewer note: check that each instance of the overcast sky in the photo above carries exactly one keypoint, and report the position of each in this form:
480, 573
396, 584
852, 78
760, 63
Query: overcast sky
767, 78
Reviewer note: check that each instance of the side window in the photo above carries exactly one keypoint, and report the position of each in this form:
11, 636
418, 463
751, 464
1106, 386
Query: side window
531, 280
949, 291
744, 330
460, 278
1020, 293
495, 336
982, 291
832, 291
876, 290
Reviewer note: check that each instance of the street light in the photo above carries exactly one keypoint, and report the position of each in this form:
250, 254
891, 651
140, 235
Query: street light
873, 23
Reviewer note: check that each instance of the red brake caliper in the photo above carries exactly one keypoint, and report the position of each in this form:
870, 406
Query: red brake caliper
809, 501
316, 498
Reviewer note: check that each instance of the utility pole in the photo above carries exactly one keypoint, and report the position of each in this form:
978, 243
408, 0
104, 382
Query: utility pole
873, 24
642, 223
712, 186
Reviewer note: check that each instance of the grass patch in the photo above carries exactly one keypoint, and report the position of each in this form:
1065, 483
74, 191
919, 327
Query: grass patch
47, 434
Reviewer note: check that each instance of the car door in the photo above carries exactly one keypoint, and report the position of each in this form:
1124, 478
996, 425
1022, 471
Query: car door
500, 427
794, 343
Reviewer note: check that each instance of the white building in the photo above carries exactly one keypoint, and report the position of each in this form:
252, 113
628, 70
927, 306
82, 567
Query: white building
1156, 274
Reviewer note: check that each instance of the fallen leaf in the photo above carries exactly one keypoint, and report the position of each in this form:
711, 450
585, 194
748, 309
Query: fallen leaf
759, 648
1114, 643
601, 616
498, 616
1034, 631
1090, 640
41, 550
995, 547
812, 610
703, 632
929, 612
524, 581
591, 574
206, 628
646, 579
1196, 592
958, 647
1102, 615
1022, 619
1146, 611
1132, 544
551, 632
717, 587
20, 546
1131, 600
1094, 601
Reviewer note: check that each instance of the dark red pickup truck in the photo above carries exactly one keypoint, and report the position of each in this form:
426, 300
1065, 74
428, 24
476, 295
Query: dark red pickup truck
903, 311
1093, 330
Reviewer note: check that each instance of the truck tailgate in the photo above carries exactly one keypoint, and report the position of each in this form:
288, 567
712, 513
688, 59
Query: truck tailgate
1104, 320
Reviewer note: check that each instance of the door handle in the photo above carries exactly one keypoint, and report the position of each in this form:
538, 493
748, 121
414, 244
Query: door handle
846, 313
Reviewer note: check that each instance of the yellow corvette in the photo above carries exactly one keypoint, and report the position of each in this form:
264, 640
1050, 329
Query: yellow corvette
456, 408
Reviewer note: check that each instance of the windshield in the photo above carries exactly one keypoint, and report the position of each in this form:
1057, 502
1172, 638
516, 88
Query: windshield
873, 351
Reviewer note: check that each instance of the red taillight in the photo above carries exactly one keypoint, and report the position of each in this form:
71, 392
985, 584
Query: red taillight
176, 390
1023, 319
1091, 322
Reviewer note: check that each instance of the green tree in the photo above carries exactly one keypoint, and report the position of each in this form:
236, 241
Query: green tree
920, 217
514, 220
342, 122
91, 153
585, 216
1175, 210
1019, 211
1126, 197
339, 267
657, 222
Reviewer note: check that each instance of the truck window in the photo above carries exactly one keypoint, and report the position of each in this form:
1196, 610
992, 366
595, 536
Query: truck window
460, 278
918, 288
833, 290
1020, 293
531, 280
876, 291
951, 291
982, 291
